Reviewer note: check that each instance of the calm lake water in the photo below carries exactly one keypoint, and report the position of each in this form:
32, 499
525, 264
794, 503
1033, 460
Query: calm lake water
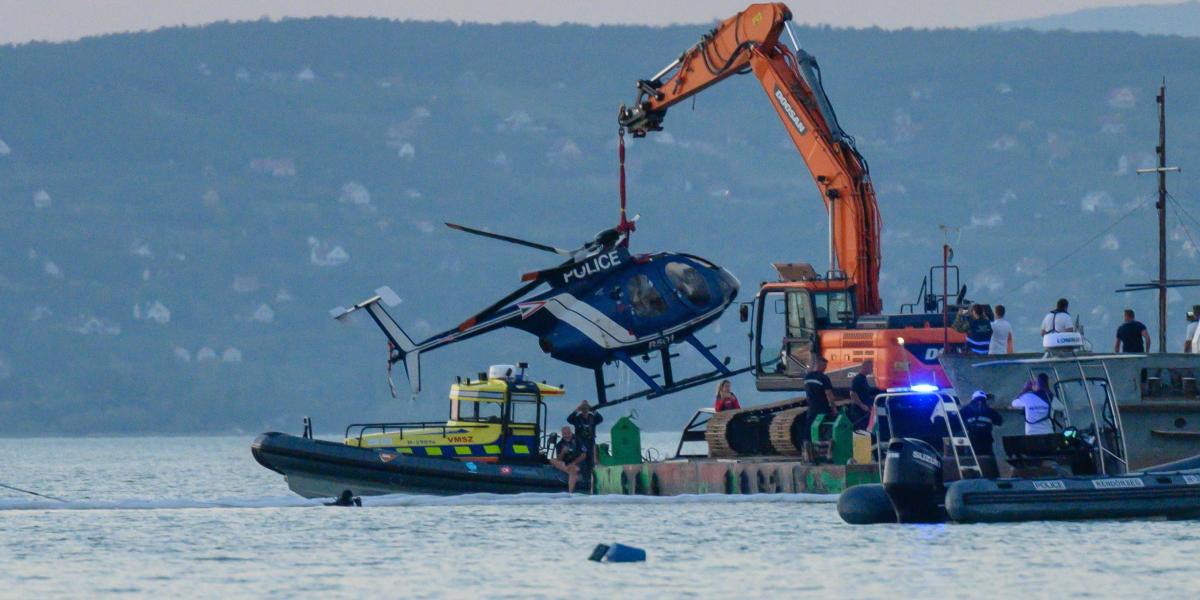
197, 517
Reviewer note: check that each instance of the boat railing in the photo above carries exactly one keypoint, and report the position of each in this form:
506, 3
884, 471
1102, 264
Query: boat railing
401, 428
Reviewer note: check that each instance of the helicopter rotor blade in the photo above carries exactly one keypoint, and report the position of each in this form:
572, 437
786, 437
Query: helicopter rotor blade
499, 304
509, 239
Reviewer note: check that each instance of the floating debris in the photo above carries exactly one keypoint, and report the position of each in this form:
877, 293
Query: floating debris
183, 354
231, 355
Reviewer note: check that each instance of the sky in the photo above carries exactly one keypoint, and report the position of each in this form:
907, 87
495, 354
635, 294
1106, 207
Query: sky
58, 20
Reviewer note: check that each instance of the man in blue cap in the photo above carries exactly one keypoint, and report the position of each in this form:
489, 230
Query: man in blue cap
981, 419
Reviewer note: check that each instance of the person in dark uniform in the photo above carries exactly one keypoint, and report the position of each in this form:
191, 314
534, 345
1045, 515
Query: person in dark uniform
979, 330
819, 391
585, 422
862, 396
980, 419
1132, 336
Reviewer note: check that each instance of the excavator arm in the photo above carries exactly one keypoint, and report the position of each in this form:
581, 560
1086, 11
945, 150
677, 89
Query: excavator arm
749, 42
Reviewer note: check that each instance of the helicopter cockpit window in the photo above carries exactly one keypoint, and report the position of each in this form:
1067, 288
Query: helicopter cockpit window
646, 300
689, 283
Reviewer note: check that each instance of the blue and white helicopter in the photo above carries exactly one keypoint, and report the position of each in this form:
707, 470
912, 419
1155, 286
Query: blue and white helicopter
604, 306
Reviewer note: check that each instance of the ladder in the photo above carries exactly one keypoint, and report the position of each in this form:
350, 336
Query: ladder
964, 453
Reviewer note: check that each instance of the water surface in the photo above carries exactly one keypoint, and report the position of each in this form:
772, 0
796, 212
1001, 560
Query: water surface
197, 517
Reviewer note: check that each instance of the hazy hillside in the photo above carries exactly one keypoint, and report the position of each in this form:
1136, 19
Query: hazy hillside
1150, 19
179, 209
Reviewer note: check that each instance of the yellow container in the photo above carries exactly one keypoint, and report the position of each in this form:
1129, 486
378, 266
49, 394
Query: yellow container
862, 449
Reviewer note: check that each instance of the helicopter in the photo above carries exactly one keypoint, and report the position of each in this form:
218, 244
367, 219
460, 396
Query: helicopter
604, 306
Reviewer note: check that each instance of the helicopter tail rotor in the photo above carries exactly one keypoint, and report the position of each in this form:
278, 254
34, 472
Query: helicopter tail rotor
400, 346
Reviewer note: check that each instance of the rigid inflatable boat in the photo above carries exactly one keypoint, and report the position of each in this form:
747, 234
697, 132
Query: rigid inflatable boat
492, 442
931, 473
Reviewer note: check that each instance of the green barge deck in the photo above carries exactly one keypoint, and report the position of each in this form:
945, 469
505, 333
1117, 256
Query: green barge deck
622, 469
723, 476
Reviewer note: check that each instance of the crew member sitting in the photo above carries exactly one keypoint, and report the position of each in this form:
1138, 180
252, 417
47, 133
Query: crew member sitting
569, 453
819, 391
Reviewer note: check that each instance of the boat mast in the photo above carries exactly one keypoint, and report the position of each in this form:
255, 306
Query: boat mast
1161, 150
1162, 284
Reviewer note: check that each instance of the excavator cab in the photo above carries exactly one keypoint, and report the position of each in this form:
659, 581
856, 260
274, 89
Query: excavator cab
787, 318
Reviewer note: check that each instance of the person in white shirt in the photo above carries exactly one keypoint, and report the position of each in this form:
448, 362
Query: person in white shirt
1002, 340
1058, 320
1035, 399
1196, 340
1191, 329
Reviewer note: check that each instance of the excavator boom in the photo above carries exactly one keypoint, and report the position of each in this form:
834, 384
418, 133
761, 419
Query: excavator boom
749, 42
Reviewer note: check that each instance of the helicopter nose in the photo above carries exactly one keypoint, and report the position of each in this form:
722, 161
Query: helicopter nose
729, 284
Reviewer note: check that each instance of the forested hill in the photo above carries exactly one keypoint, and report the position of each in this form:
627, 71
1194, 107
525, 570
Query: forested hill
1182, 18
181, 208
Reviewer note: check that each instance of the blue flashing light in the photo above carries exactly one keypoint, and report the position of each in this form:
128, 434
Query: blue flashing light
924, 388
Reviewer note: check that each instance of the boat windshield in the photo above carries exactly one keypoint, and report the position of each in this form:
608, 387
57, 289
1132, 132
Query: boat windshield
524, 412
480, 412
1074, 395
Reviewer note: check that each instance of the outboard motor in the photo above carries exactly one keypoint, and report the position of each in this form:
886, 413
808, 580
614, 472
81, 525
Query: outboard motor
912, 479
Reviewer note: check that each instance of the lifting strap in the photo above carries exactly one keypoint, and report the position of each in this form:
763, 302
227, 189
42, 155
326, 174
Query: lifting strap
625, 226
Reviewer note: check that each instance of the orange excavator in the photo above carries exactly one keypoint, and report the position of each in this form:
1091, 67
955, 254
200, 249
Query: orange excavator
838, 313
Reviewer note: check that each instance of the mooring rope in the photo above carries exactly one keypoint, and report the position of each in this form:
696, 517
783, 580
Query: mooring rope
32, 493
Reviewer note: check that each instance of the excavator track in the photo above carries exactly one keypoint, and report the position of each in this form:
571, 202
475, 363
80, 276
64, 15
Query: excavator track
787, 431
747, 431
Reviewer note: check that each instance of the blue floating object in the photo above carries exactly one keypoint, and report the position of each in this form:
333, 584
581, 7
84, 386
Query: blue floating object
623, 553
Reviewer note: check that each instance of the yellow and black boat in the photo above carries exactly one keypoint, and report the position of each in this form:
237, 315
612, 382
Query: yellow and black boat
494, 441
